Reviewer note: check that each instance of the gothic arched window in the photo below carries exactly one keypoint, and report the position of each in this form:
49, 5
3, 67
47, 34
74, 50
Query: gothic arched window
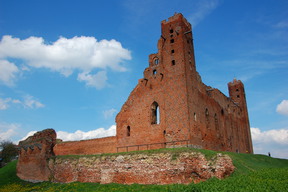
155, 113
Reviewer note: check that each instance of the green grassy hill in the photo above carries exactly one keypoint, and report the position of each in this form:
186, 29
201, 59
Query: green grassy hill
253, 173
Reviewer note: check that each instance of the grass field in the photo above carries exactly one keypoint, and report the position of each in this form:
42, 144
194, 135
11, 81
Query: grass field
253, 173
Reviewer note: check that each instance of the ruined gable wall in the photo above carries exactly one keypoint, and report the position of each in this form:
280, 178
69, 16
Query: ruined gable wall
190, 109
136, 113
92, 146
163, 83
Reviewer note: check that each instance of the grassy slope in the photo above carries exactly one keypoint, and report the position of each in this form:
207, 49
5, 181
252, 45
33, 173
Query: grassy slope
253, 173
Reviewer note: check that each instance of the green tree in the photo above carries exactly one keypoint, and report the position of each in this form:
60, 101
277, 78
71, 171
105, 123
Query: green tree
8, 151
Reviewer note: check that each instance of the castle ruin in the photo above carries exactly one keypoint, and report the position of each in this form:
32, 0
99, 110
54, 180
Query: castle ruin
169, 107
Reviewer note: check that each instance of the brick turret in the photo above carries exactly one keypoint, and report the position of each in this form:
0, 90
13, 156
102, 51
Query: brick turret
237, 94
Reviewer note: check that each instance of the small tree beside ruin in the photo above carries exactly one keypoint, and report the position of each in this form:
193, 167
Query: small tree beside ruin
8, 151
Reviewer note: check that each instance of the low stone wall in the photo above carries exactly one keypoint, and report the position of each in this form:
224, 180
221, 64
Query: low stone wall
85, 147
158, 168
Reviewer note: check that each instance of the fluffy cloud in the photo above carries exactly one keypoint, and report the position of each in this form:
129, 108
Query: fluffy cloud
282, 108
83, 54
274, 141
98, 80
8, 131
28, 102
8, 72
81, 135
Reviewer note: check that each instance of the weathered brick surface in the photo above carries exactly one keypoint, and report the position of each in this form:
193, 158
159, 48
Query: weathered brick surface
191, 114
92, 146
34, 153
189, 110
161, 168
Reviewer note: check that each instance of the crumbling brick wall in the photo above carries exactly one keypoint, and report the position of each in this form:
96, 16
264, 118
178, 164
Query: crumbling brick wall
169, 107
186, 109
157, 168
34, 153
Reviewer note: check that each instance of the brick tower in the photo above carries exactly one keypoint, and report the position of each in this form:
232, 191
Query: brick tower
171, 106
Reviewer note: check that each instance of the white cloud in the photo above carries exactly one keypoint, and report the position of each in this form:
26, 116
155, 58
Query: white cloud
274, 141
28, 135
109, 113
81, 135
279, 136
8, 72
67, 55
31, 102
282, 108
98, 80
202, 9
7, 131
28, 102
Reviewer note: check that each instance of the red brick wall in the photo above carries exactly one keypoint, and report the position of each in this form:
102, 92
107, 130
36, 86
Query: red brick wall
34, 153
93, 146
189, 110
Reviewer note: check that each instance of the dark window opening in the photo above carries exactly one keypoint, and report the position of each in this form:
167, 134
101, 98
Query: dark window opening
238, 96
155, 113
146, 81
172, 51
173, 62
237, 89
206, 112
164, 132
171, 31
222, 112
171, 40
154, 72
188, 41
156, 61
128, 131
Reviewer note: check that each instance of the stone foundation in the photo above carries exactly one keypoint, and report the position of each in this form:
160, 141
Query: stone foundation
158, 168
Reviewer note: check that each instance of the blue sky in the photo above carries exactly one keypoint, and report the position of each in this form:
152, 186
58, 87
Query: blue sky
70, 64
